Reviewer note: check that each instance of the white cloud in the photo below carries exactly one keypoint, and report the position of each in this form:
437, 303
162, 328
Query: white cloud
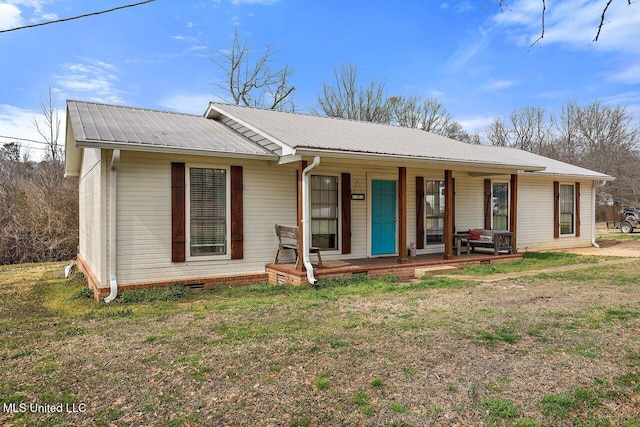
18, 123
630, 75
10, 16
187, 102
575, 23
38, 13
95, 80
264, 2
497, 85
468, 50
476, 123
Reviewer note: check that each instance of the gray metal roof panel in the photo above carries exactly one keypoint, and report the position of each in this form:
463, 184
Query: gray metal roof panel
104, 123
323, 133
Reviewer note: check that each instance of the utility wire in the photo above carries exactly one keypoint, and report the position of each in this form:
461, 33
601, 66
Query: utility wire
77, 17
23, 139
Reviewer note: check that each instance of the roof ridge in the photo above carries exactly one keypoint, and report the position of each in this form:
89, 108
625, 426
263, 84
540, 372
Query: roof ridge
154, 110
365, 122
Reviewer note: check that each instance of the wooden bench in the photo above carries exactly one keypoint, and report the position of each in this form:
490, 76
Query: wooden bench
498, 240
288, 240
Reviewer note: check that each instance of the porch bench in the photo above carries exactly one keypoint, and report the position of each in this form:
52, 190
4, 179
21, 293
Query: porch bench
498, 240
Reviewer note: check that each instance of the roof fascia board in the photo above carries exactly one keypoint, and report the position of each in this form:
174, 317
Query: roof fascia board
215, 112
72, 153
127, 146
572, 176
412, 159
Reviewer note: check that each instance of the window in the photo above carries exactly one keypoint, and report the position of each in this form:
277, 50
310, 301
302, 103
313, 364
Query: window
500, 206
434, 223
324, 211
566, 209
207, 211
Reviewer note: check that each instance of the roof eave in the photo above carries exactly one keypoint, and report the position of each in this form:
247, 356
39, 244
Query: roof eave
414, 159
129, 146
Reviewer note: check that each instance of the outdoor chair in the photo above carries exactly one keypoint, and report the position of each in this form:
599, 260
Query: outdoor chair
288, 239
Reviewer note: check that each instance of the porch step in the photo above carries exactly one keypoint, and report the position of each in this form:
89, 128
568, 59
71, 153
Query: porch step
435, 269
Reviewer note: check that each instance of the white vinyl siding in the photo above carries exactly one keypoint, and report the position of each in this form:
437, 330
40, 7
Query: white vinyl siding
535, 216
269, 195
144, 217
92, 210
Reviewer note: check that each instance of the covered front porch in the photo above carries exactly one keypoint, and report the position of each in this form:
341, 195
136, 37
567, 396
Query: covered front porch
372, 268
410, 215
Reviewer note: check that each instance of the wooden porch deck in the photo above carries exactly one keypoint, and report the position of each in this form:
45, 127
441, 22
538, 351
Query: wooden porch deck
379, 267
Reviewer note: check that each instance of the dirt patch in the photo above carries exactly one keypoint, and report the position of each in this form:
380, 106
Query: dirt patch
629, 248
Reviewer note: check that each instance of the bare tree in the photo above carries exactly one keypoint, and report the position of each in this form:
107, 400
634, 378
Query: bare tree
527, 129
50, 129
595, 136
251, 81
429, 115
348, 100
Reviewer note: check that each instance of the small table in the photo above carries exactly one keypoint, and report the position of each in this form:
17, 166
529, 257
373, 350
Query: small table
461, 243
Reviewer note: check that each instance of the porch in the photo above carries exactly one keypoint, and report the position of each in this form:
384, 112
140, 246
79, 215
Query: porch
382, 266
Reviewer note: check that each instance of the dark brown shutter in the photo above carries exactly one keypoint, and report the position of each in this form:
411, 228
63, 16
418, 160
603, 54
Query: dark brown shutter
237, 232
577, 209
488, 205
178, 220
346, 213
556, 209
420, 206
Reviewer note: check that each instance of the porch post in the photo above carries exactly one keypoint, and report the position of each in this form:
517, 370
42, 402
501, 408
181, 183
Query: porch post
448, 214
402, 215
513, 211
301, 167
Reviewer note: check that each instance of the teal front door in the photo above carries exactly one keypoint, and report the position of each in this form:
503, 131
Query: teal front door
383, 217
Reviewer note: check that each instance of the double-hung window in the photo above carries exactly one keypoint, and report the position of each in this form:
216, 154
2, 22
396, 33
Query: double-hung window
567, 208
434, 223
207, 211
500, 205
324, 211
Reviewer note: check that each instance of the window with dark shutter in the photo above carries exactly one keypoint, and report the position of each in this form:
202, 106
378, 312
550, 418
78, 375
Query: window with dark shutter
207, 211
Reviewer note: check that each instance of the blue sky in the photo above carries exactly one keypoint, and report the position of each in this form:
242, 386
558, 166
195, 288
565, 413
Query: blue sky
473, 57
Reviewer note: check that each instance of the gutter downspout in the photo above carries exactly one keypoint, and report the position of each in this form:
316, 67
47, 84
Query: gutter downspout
596, 184
306, 220
113, 281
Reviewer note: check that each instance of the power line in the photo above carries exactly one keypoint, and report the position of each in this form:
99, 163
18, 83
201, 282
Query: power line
23, 139
77, 17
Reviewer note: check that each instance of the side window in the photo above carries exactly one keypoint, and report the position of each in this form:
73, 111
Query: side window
207, 211
567, 209
434, 212
500, 206
324, 212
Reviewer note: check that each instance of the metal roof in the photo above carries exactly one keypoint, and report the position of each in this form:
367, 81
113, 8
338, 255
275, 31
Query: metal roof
119, 126
306, 132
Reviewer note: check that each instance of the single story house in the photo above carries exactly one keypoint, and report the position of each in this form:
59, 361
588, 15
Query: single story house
176, 198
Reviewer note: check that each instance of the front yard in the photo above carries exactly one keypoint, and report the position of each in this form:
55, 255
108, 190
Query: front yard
550, 349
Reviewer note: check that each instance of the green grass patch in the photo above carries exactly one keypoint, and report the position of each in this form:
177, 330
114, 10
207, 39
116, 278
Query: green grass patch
557, 406
492, 338
151, 295
377, 383
498, 408
529, 261
398, 408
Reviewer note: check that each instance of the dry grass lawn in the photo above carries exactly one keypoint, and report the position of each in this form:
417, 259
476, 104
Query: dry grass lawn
551, 349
